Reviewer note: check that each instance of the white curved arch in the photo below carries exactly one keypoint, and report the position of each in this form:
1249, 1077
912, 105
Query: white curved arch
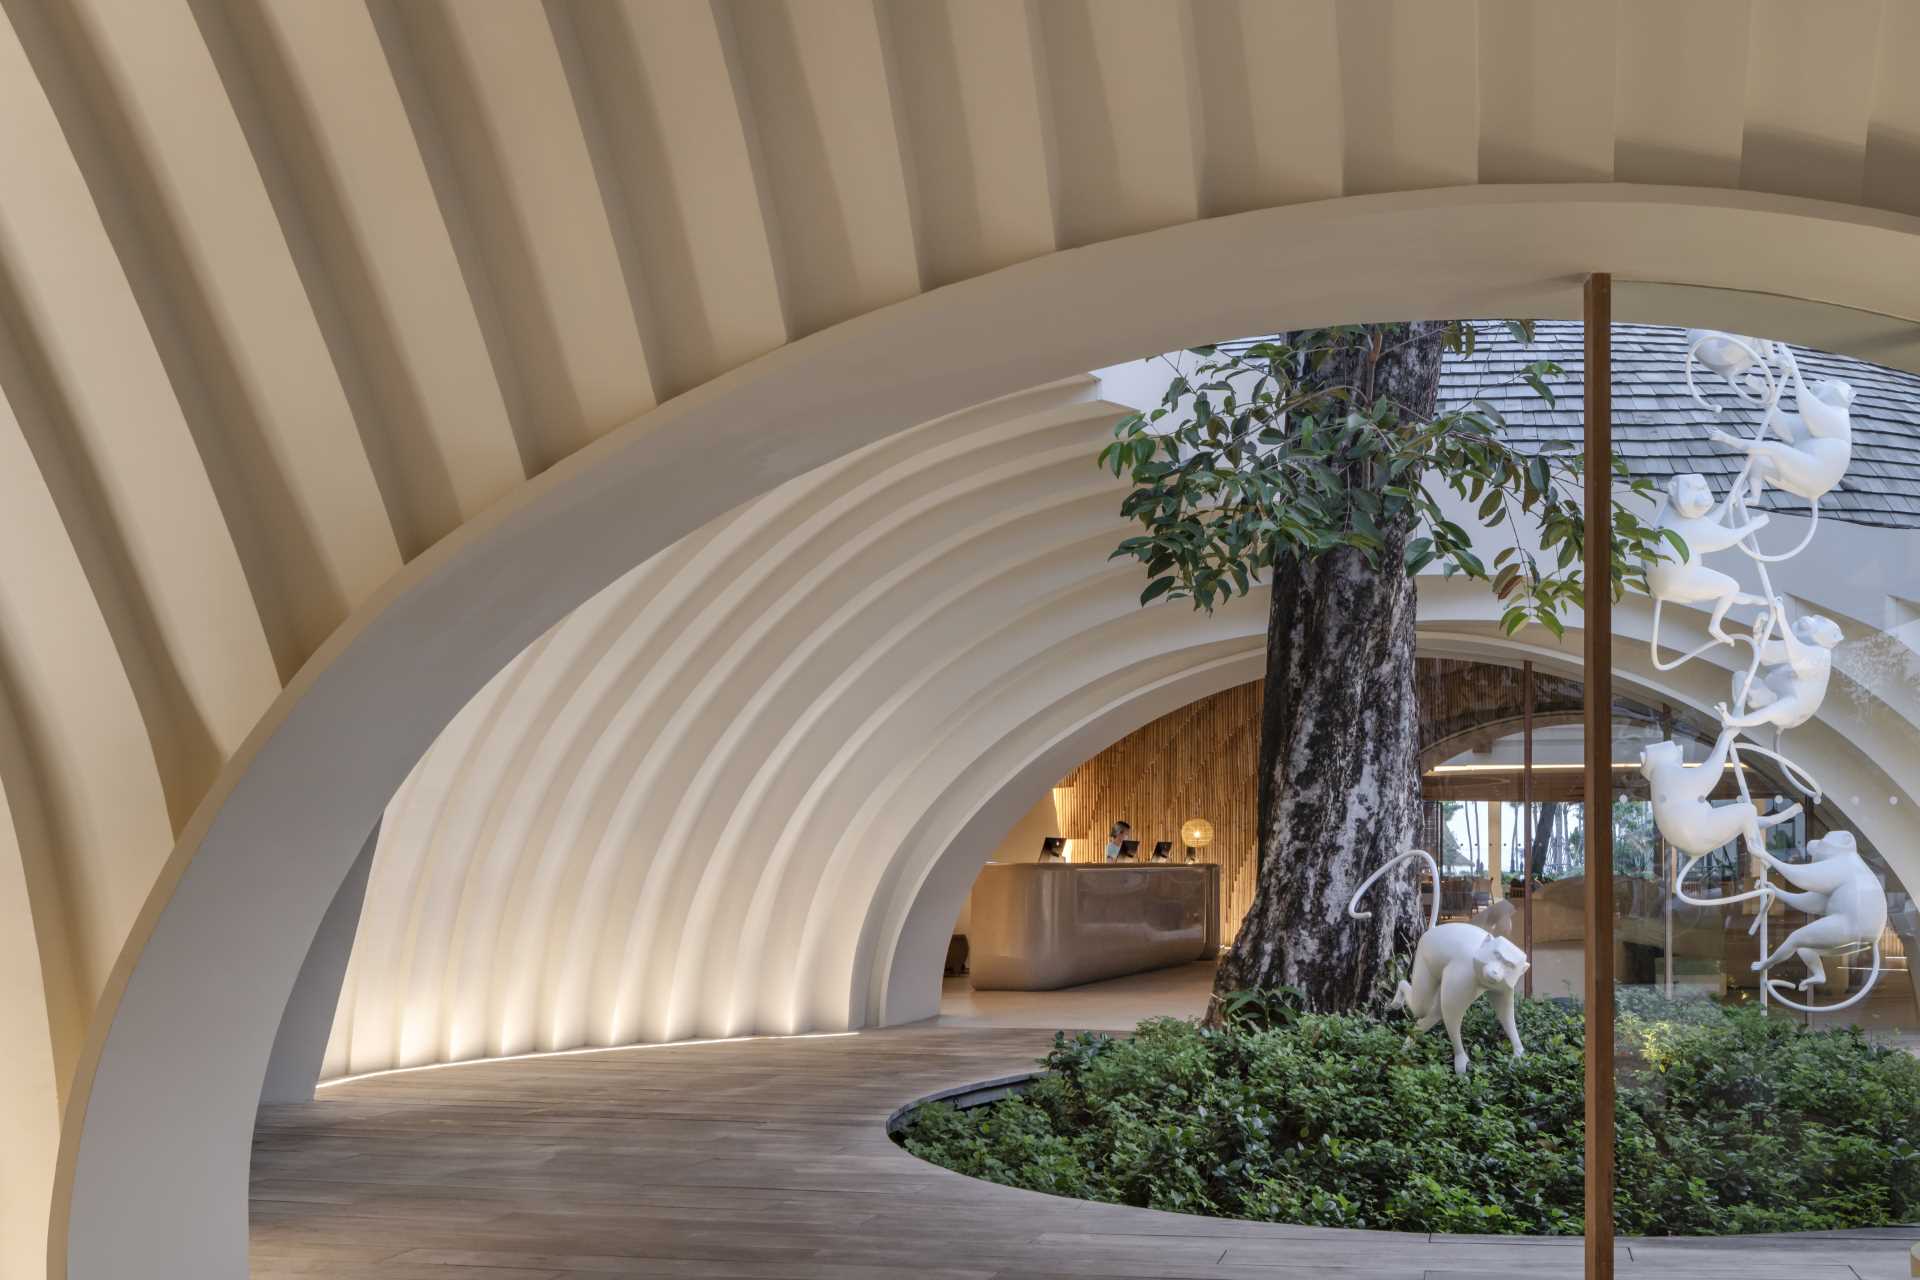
903, 941
1856, 742
292, 293
189, 1023
811, 781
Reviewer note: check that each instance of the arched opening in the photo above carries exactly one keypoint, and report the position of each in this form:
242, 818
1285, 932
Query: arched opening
1475, 782
193, 1007
674, 816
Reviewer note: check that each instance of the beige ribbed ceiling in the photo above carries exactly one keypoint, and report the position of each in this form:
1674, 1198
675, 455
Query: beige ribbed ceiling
291, 290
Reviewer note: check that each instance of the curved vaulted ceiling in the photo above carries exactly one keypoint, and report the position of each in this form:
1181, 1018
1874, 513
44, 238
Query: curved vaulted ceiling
739, 791
307, 310
673, 815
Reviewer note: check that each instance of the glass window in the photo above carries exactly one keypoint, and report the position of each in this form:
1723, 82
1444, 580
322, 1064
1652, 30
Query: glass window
1763, 742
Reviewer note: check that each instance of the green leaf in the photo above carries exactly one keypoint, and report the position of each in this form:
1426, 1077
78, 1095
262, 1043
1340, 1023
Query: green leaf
1539, 386
1245, 460
1155, 589
1537, 474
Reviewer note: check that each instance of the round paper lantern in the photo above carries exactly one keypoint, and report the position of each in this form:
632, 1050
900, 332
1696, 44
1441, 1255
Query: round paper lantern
1196, 833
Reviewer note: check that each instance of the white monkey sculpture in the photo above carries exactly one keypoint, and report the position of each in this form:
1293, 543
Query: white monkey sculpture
1805, 453
1452, 964
1848, 904
1813, 449
1798, 666
1727, 354
1688, 820
1688, 509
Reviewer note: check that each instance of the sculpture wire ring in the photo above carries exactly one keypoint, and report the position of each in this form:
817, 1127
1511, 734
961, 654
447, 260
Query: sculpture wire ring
1759, 362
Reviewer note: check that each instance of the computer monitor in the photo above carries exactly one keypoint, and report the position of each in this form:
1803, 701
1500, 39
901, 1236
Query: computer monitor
1128, 850
1052, 848
1163, 851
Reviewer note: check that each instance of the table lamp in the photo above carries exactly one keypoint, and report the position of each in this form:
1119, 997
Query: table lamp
1196, 834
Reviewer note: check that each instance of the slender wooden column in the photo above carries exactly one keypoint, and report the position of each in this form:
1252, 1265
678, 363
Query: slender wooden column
1598, 625
1527, 818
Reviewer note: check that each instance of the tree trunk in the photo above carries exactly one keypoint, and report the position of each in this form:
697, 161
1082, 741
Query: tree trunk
1339, 745
1542, 836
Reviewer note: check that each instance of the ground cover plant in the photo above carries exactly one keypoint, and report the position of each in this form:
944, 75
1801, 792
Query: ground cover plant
1728, 1121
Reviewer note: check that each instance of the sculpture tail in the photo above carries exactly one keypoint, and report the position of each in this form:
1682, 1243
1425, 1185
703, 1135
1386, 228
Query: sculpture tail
1848, 1003
1813, 526
1653, 644
1680, 888
1433, 869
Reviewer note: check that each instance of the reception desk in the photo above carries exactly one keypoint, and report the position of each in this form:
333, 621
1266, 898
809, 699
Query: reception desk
1041, 925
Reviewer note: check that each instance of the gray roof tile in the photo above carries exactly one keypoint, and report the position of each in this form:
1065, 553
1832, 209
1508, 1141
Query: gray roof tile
1661, 431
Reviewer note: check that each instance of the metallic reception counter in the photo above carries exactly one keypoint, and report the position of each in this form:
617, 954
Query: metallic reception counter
1041, 925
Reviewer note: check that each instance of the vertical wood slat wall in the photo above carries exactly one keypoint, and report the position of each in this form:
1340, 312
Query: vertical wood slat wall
1198, 762
1202, 761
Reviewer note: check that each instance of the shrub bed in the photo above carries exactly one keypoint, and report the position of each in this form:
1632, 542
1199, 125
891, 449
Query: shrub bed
1728, 1121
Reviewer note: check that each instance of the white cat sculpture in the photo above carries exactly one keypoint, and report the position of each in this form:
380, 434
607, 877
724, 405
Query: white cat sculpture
1848, 904
1452, 964
1681, 809
1688, 509
1798, 665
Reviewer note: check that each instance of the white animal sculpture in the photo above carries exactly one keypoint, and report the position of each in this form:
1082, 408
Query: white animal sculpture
1848, 904
1806, 454
1686, 818
1688, 509
1452, 964
1727, 354
1813, 447
1798, 666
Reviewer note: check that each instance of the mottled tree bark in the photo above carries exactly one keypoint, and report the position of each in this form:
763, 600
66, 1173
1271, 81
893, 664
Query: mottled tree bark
1339, 742
1542, 836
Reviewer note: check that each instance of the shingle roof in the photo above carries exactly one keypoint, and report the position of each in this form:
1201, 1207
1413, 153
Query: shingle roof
1661, 431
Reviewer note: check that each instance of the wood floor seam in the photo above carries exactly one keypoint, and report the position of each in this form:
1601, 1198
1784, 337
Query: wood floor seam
769, 1160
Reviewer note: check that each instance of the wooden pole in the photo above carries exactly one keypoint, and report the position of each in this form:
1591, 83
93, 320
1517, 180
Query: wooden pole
1598, 626
1496, 850
1526, 809
1667, 855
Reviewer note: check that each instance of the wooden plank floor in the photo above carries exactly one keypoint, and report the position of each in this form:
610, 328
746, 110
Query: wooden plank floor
765, 1160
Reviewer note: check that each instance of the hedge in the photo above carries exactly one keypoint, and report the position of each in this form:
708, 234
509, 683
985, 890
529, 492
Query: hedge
1728, 1121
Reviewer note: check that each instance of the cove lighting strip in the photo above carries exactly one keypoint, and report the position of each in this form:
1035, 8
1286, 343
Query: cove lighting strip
576, 1053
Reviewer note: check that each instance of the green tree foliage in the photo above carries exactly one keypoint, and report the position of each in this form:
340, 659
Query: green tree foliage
1727, 1121
1636, 841
1248, 458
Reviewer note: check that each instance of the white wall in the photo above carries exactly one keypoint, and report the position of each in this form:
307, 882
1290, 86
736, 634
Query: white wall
1021, 845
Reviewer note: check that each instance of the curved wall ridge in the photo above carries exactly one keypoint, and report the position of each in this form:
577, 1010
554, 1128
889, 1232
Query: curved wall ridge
744, 789
345, 348
622, 794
